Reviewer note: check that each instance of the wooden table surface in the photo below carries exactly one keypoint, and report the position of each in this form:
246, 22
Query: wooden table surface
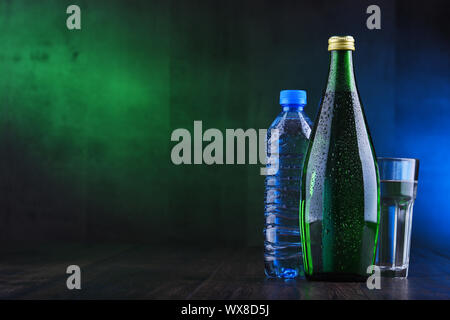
143, 272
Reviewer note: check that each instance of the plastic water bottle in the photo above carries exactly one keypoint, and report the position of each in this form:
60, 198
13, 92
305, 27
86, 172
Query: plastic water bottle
282, 245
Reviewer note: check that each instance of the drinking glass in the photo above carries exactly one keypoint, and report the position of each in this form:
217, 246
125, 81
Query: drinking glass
398, 184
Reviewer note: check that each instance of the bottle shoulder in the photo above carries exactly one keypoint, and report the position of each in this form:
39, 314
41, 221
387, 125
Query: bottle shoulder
291, 118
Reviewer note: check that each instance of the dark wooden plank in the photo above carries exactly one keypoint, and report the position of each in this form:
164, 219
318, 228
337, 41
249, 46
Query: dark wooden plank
140, 273
28, 271
145, 272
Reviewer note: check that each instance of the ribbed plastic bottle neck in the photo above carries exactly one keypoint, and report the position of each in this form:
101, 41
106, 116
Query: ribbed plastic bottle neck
292, 107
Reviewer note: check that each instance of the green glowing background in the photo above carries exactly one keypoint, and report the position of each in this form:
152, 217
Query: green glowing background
86, 116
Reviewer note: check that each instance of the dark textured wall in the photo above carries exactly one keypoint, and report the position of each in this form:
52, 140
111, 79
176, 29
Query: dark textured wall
86, 116
422, 113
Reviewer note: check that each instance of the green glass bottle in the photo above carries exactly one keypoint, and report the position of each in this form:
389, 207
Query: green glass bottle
339, 209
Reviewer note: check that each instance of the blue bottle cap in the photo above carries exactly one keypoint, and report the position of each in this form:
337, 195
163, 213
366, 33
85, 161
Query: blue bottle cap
293, 97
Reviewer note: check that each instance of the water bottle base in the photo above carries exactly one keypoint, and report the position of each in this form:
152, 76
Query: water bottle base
273, 271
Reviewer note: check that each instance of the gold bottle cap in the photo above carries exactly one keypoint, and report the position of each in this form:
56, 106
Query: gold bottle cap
341, 43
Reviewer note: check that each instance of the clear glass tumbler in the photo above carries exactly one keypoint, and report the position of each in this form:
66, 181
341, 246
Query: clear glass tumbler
398, 182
